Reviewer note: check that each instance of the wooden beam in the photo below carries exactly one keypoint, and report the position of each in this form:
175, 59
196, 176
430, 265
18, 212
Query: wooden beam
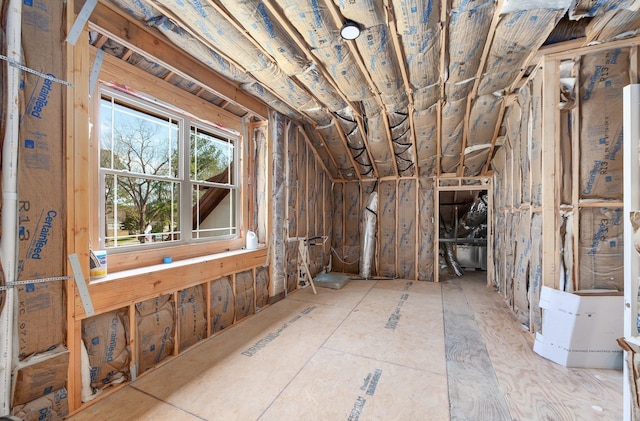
130, 287
80, 200
391, 22
170, 74
109, 21
315, 152
100, 41
198, 36
444, 21
345, 143
337, 18
575, 179
360, 123
589, 49
558, 48
494, 138
597, 24
295, 36
114, 69
476, 83
127, 55
550, 200
333, 160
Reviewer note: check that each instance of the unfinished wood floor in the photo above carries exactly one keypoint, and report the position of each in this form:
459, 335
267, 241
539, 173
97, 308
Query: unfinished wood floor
375, 350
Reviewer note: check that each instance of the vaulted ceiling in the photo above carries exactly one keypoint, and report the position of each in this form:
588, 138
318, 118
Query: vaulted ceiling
421, 91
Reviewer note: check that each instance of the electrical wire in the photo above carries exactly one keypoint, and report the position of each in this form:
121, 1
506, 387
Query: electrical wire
343, 261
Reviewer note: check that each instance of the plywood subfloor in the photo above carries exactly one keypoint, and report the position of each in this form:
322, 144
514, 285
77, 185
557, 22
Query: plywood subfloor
374, 350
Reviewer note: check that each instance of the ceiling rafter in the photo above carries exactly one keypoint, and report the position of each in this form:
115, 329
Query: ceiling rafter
494, 138
444, 72
339, 20
363, 132
206, 42
405, 77
247, 35
331, 157
223, 12
110, 22
295, 36
315, 152
345, 143
476, 83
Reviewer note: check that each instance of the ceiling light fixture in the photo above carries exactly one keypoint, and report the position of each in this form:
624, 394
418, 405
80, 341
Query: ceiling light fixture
350, 30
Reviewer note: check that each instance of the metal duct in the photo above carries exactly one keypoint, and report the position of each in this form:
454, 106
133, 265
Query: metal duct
368, 229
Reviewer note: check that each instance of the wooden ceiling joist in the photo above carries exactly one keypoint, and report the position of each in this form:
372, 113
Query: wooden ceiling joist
405, 77
111, 23
295, 36
338, 21
315, 153
476, 83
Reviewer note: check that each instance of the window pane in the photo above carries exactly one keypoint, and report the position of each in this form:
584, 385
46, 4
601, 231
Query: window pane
214, 212
140, 210
211, 158
137, 141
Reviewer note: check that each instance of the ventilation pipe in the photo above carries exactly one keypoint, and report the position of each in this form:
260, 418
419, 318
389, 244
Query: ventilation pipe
369, 222
8, 243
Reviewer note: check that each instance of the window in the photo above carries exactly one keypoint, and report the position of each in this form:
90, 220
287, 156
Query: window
165, 177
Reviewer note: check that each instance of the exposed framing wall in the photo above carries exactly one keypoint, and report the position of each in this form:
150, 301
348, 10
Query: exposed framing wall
301, 204
558, 178
405, 234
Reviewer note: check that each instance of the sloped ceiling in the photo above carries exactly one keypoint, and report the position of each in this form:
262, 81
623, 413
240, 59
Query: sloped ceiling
420, 92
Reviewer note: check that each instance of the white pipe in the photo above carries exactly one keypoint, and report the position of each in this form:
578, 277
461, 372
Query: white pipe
9, 241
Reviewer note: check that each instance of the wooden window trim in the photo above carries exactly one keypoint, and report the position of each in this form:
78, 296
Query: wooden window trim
114, 70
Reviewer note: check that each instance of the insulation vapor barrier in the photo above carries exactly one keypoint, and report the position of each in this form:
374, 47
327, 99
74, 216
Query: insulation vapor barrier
425, 123
518, 34
369, 227
452, 126
469, 24
278, 254
420, 33
355, 142
589, 8
602, 76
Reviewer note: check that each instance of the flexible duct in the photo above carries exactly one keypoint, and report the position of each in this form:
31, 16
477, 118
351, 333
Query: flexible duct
368, 229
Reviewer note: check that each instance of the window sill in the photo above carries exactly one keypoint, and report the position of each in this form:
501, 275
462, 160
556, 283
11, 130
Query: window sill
127, 287
143, 259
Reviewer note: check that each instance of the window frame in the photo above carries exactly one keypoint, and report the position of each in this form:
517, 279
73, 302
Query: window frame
121, 258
